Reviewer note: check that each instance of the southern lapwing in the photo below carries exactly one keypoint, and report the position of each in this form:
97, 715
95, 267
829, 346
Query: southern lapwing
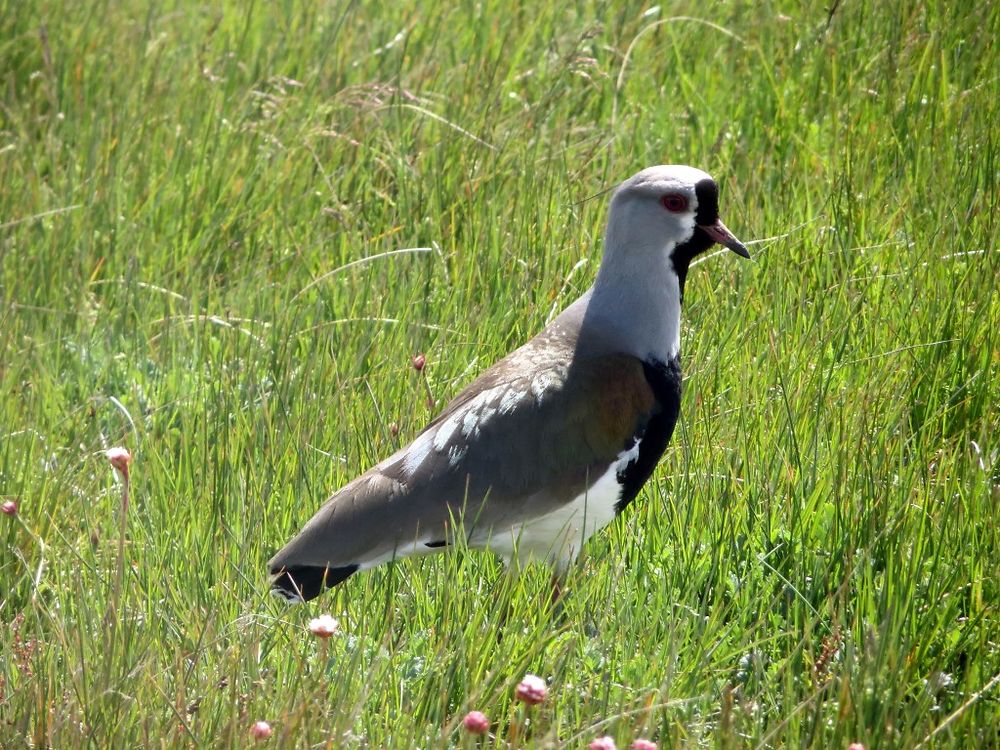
553, 441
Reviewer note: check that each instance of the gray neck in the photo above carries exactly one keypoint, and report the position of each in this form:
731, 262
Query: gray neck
635, 304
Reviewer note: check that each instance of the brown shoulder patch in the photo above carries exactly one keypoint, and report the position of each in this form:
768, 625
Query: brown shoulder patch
615, 392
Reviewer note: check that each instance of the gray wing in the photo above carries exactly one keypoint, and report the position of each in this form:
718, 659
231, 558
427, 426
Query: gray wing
507, 449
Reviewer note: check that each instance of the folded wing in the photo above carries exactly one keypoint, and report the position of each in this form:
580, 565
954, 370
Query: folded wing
507, 449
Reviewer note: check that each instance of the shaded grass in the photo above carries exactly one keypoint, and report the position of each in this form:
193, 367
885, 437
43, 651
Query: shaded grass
815, 562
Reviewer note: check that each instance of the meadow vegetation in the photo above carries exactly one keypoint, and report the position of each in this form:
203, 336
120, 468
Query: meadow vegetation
225, 230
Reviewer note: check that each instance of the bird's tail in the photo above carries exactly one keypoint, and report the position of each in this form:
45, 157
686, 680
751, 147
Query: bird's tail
300, 583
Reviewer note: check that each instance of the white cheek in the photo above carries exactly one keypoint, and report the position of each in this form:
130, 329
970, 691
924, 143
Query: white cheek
685, 225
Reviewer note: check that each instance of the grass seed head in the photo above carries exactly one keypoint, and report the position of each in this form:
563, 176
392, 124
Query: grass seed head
324, 626
260, 730
531, 690
120, 458
476, 722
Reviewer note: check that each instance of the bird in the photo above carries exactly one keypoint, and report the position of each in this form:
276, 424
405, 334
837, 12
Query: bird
556, 439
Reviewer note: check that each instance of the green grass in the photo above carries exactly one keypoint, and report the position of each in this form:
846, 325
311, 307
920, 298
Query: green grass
182, 189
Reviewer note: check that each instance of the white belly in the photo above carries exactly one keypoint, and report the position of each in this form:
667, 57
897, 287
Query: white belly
558, 537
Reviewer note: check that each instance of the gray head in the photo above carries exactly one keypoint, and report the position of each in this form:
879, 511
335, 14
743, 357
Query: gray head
659, 220
672, 209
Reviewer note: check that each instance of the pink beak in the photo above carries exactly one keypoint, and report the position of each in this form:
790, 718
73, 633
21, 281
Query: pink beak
721, 234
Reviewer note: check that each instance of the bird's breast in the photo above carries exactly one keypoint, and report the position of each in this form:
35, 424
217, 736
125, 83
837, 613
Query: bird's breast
664, 379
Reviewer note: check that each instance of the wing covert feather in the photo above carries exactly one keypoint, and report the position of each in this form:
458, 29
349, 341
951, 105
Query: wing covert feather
508, 448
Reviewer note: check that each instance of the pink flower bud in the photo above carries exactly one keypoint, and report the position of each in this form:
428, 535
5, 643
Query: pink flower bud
260, 730
9, 508
476, 722
602, 743
324, 626
643, 745
418, 362
531, 690
855, 746
120, 459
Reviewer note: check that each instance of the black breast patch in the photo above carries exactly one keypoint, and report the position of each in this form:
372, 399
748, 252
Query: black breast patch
664, 379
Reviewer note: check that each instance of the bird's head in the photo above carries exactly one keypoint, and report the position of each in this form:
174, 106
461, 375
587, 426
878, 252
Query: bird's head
671, 208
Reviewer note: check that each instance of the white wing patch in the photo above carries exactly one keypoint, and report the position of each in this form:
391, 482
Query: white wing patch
542, 382
510, 400
444, 432
456, 454
469, 420
627, 457
418, 452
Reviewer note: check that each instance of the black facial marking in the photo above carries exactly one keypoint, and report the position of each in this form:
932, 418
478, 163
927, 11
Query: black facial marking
707, 193
665, 381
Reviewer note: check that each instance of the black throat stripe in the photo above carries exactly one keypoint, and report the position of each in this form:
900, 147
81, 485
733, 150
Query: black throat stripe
707, 193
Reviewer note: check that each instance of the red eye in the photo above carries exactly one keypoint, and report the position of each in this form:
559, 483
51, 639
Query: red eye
674, 202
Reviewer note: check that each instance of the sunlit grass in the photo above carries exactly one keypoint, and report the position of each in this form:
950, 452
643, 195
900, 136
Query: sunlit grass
185, 193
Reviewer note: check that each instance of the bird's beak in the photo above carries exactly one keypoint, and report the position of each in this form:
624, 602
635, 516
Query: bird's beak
719, 233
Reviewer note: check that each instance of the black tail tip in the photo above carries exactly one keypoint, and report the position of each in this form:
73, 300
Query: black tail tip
302, 583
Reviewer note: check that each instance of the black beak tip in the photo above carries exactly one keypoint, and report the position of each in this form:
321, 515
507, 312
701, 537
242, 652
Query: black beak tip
718, 232
741, 250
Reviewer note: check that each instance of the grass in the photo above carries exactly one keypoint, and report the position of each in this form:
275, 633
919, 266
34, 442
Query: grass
186, 191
